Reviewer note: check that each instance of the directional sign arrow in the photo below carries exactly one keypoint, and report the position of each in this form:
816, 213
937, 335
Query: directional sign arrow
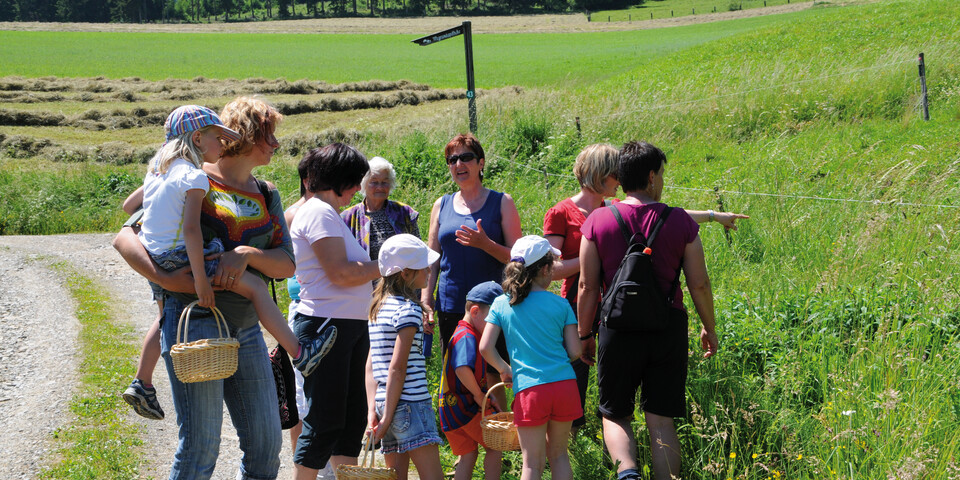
436, 37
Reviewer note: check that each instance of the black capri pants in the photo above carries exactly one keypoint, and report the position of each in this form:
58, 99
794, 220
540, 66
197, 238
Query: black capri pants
335, 392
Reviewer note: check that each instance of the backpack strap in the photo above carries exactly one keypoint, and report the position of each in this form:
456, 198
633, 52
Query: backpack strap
653, 233
623, 225
264, 190
267, 198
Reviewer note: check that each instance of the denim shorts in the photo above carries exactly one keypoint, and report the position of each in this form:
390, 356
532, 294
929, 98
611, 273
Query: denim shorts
177, 258
414, 425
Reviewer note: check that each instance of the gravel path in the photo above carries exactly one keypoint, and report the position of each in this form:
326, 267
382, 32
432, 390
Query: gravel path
37, 362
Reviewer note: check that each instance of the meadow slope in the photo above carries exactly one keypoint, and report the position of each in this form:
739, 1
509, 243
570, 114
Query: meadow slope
837, 302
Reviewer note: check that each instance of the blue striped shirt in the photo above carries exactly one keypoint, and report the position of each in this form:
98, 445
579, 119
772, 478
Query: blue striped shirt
397, 313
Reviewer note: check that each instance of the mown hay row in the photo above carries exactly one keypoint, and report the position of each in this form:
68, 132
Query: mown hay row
119, 119
199, 86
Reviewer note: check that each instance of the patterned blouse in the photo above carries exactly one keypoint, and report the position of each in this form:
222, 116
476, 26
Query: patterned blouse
401, 217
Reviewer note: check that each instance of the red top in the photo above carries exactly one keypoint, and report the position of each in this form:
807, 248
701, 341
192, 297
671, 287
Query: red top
564, 219
679, 230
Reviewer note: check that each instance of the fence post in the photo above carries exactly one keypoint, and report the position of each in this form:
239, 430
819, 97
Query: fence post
579, 132
629, 17
651, 15
726, 233
608, 18
923, 88
671, 13
471, 89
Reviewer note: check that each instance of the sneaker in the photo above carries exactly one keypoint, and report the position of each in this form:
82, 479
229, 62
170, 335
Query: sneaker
143, 400
311, 353
326, 473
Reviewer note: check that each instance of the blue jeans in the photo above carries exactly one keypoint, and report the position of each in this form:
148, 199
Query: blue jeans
250, 395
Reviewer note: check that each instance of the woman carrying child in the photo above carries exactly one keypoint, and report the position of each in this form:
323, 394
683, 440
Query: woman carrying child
235, 210
541, 333
400, 411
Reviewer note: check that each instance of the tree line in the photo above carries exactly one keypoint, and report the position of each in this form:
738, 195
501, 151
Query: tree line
144, 11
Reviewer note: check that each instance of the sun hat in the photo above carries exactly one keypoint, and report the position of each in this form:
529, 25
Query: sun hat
405, 251
485, 292
531, 248
189, 118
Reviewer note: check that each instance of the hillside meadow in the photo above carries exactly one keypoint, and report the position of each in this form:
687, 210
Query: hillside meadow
837, 302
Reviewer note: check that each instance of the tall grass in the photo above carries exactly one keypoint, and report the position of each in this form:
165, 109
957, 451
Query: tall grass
837, 302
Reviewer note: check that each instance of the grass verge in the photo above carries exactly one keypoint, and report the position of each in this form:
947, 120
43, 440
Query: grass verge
98, 444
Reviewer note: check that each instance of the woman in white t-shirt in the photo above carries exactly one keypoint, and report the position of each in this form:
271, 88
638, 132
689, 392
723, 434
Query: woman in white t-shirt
335, 275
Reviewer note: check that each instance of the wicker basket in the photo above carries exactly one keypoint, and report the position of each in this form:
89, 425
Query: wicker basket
499, 431
364, 472
204, 359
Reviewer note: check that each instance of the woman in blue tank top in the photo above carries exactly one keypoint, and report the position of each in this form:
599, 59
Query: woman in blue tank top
473, 229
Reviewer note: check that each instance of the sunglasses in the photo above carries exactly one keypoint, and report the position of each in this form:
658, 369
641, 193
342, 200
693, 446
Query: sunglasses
463, 157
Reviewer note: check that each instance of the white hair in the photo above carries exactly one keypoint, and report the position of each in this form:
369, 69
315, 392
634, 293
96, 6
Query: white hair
379, 165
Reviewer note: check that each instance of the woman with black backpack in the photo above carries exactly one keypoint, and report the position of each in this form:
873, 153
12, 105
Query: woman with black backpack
654, 348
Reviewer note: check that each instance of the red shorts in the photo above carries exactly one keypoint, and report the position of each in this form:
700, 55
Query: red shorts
557, 401
465, 439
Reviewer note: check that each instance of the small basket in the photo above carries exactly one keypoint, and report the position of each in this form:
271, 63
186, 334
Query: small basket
205, 359
499, 431
364, 472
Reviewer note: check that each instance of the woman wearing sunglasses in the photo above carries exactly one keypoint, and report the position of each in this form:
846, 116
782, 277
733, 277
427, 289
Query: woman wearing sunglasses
473, 229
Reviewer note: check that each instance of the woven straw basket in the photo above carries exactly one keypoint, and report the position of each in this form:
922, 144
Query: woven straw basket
499, 431
364, 472
204, 359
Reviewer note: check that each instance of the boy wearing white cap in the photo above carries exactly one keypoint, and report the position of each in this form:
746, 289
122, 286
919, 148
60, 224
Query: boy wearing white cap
541, 333
400, 408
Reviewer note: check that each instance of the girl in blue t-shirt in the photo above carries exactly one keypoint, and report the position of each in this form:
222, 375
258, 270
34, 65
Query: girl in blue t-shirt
400, 408
541, 333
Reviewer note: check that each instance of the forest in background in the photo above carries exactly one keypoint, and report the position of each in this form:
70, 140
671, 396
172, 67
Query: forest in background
140, 11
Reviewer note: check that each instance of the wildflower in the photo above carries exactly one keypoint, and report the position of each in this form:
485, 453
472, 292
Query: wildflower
800, 457
733, 454
754, 456
847, 413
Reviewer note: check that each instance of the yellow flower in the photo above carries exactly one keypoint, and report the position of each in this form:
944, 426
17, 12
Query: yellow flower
754, 456
799, 457
733, 454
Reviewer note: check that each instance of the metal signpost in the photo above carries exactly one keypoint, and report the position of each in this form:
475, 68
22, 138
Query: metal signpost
463, 29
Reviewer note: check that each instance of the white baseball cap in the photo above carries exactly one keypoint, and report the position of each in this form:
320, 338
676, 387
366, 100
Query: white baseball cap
405, 251
531, 248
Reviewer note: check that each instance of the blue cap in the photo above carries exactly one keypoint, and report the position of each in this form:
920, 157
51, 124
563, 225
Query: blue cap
485, 293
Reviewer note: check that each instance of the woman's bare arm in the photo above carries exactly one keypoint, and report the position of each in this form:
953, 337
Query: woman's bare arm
331, 252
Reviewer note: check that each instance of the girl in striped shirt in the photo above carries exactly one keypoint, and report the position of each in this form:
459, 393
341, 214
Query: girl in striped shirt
400, 407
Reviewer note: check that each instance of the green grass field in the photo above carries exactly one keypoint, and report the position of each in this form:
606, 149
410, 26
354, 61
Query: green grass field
500, 59
837, 302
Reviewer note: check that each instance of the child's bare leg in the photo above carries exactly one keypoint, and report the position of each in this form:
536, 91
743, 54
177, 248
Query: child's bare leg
464, 470
492, 464
427, 461
533, 447
294, 435
253, 289
150, 352
558, 433
399, 462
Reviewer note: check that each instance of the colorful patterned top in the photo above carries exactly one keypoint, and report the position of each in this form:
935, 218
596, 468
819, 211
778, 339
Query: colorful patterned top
238, 217
457, 405
402, 217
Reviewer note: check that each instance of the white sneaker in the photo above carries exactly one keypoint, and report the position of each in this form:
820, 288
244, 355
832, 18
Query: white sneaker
326, 473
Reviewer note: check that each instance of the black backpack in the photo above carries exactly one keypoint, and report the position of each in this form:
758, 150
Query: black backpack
633, 301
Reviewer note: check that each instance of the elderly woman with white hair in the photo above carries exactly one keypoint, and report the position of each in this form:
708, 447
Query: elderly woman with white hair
378, 218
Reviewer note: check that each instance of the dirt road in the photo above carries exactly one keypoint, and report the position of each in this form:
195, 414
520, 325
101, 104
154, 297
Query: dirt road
38, 353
